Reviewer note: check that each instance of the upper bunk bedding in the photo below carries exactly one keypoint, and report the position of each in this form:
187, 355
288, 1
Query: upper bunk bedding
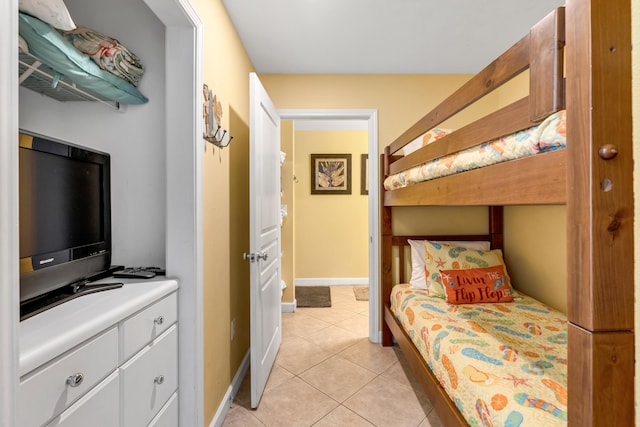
550, 135
503, 364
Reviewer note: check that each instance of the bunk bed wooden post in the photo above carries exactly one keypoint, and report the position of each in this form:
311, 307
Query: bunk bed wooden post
496, 221
386, 255
600, 214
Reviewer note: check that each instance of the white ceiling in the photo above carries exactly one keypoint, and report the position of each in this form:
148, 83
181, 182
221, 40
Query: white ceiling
381, 36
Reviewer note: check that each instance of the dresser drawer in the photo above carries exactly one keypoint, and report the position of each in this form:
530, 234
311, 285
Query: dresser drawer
149, 379
168, 415
148, 324
46, 392
101, 406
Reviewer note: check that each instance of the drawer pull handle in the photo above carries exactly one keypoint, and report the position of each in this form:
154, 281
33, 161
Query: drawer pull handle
159, 320
159, 379
75, 380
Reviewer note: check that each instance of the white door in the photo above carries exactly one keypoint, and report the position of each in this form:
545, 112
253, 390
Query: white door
264, 176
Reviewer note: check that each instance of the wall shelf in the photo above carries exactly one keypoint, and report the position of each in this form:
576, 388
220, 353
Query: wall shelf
39, 77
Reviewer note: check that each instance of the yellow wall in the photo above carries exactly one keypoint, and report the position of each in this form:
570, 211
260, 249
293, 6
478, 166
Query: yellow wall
535, 249
225, 207
331, 229
400, 99
287, 237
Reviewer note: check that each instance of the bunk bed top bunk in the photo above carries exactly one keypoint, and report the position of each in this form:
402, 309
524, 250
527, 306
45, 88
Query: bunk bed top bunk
589, 78
525, 179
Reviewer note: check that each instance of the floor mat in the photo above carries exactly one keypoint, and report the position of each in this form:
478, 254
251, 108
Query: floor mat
313, 296
361, 293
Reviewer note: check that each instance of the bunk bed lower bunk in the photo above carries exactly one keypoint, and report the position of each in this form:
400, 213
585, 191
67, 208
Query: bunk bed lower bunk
500, 357
540, 385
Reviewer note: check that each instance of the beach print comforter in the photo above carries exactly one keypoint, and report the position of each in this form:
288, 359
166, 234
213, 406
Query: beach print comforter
550, 135
502, 364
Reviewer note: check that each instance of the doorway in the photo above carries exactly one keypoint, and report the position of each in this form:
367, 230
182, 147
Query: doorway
369, 118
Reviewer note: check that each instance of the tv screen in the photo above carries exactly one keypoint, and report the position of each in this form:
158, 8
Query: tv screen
65, 214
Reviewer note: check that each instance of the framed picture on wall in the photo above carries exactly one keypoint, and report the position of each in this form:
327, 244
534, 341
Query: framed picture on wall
331, 174
364, 174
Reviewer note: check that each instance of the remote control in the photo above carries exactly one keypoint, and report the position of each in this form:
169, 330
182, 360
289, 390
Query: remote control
134, 273
158, 270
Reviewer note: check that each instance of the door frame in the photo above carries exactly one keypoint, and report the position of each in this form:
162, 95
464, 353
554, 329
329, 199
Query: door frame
184, 230
371, 116
184, 44
9, 253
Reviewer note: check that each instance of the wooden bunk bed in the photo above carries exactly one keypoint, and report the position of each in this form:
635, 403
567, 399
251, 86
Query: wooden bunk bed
579, 58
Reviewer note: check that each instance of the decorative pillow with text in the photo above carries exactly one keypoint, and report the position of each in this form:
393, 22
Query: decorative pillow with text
476, 285
441, 256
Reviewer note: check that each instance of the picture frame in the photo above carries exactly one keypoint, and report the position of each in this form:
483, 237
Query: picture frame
330, 173
364, 174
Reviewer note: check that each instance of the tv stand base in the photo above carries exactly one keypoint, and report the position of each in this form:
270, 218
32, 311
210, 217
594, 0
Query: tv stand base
59, 296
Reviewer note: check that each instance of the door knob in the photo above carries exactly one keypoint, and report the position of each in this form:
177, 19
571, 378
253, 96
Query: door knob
255, 256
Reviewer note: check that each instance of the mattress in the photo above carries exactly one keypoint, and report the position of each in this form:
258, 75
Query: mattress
549, 135
502, 364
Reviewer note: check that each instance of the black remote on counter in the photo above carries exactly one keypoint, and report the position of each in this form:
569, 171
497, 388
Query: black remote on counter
134, 273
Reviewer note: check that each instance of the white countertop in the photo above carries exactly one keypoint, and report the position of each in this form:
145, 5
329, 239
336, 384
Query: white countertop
54, 331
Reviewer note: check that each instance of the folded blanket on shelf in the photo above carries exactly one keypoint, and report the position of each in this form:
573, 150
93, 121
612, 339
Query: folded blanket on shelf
108, 53
52, 49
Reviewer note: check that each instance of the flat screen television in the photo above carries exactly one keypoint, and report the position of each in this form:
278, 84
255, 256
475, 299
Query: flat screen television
65, 218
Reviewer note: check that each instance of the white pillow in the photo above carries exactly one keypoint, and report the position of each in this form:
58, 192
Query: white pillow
53, 12
418, 280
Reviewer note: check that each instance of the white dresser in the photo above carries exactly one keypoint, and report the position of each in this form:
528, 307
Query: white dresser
105, 359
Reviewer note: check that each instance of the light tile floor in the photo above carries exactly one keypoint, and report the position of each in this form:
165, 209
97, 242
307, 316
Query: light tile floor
327, 373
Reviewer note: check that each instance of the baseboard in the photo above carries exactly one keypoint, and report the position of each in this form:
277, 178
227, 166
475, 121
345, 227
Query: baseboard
332, 281
289, 307
225, 405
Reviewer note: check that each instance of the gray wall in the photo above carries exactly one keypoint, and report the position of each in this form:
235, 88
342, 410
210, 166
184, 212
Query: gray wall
134, 138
